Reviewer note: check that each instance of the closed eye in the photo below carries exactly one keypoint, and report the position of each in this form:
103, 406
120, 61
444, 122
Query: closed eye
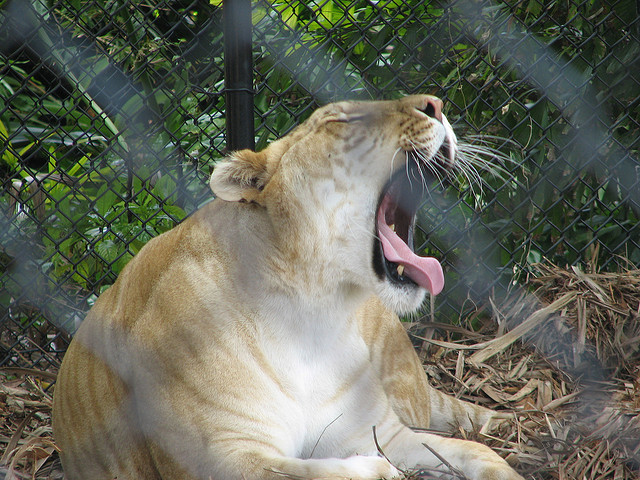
357, 118
348, 117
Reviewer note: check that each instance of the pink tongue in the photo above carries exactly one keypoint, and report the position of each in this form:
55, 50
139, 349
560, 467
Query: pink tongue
425, 271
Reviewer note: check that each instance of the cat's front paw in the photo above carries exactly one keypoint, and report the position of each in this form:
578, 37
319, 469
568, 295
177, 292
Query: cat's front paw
373, 468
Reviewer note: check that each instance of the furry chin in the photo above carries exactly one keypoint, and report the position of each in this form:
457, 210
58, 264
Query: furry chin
401, 300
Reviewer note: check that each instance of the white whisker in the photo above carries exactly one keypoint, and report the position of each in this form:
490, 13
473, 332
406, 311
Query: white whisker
362, 229
479, 156
433, 168
470, 173
406, 166
425, 162
393, 159
476, 161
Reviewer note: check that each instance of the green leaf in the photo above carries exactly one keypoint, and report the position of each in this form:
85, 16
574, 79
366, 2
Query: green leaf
105, 200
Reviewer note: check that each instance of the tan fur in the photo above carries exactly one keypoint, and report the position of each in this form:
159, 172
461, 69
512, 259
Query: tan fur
256, 340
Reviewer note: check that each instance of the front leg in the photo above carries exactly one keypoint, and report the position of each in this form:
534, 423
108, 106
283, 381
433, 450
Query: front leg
410, 450
404, 380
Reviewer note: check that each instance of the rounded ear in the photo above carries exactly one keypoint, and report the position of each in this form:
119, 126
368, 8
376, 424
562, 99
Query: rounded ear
241, 177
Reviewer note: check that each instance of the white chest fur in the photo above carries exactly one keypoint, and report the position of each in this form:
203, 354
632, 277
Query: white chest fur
322, 362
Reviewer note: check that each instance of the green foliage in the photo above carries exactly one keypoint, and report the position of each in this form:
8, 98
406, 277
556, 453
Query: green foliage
91, 183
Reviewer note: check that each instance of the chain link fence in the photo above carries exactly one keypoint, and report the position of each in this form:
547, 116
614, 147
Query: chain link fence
113, 114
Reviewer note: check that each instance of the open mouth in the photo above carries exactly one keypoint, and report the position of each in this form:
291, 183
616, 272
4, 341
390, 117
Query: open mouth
394, 257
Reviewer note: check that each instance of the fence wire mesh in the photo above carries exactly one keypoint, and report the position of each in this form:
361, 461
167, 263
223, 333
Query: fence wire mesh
113, 114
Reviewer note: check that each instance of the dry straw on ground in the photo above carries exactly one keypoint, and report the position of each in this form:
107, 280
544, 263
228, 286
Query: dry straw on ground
565, 362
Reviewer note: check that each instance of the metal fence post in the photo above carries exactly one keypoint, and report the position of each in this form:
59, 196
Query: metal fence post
238, 74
